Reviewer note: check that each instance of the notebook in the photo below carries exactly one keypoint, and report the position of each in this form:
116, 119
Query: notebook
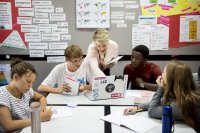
132, 122
73, 84
107, 87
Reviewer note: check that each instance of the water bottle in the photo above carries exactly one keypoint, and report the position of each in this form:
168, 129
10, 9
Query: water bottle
35, 117
167, 120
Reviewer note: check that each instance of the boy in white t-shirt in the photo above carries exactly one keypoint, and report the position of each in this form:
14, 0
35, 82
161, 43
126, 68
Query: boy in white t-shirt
75, 67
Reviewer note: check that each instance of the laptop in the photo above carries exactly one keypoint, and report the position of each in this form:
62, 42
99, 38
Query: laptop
107, 87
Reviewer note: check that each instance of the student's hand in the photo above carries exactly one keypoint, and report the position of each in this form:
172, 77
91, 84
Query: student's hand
45, 115
64, 88
160, 81
139, 81
43, 108
132, 111
81, 88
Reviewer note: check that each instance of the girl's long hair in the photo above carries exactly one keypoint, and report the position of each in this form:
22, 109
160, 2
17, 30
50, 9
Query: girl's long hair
181, 87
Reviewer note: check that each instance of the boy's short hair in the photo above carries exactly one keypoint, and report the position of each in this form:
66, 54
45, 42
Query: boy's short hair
73, 51
143, 50
101, 35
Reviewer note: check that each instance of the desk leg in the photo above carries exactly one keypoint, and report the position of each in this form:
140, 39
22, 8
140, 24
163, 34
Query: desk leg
107, 125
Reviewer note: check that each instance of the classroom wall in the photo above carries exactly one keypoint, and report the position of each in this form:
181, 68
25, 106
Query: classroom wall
123, 36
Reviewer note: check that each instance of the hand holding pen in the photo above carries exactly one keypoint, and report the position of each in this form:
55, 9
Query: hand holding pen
132, 111
46, 115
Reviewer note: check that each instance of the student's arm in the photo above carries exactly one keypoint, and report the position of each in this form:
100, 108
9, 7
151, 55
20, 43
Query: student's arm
44, 113
11, 125
51, 80
156, 72
150, 86
45, 88
155, 107
40, 98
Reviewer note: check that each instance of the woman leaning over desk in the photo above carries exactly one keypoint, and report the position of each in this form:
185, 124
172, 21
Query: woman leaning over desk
15, 97
178, 89
102, 50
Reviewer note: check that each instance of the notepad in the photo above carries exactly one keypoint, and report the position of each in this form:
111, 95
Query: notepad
132, 122
73, 84
114, 59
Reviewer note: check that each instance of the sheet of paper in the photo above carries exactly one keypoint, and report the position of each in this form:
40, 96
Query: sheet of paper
61, 112
114, 59
133, 93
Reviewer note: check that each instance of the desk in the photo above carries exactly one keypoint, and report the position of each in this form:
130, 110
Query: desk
58, 99
85, 120
80, 99
179, 127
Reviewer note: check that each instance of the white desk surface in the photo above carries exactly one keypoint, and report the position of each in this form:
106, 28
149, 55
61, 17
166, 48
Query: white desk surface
82, 100
85, 120
179, 127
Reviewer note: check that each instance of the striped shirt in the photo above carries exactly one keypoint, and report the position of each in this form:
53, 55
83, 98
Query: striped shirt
19, 107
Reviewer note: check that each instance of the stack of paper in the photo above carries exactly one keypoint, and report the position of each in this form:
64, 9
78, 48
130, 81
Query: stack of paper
133, 122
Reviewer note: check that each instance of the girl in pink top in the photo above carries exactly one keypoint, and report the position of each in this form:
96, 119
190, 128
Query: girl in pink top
102, 50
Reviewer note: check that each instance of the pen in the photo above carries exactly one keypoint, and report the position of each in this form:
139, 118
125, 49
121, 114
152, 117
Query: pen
50, 108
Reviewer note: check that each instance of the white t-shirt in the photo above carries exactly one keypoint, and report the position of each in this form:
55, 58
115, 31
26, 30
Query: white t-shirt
19, 107
59, 73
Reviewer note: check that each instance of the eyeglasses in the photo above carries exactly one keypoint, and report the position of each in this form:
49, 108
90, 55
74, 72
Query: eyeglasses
77, 61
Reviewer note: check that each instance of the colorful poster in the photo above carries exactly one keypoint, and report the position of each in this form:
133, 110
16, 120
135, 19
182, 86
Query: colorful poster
182, 6
189, 28
4, 74
174, 30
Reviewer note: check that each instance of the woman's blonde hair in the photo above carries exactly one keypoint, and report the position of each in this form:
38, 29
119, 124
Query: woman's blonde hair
181, 87
101, 35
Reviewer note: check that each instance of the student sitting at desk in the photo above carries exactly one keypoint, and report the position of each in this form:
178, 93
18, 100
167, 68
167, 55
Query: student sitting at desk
142, 74
75, 67
102, 50
176, 88
15, 97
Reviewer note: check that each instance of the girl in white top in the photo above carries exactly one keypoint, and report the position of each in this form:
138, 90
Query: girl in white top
75, 68
15, 97
102, 50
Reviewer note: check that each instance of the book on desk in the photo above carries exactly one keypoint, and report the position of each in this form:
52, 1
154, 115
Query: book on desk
132, 122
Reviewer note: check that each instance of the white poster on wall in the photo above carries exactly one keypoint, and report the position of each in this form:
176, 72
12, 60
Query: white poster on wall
189, 28
92, 13
5, 15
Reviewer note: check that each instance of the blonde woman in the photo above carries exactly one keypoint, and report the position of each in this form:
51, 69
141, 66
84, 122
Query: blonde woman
102, 50
176, 88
